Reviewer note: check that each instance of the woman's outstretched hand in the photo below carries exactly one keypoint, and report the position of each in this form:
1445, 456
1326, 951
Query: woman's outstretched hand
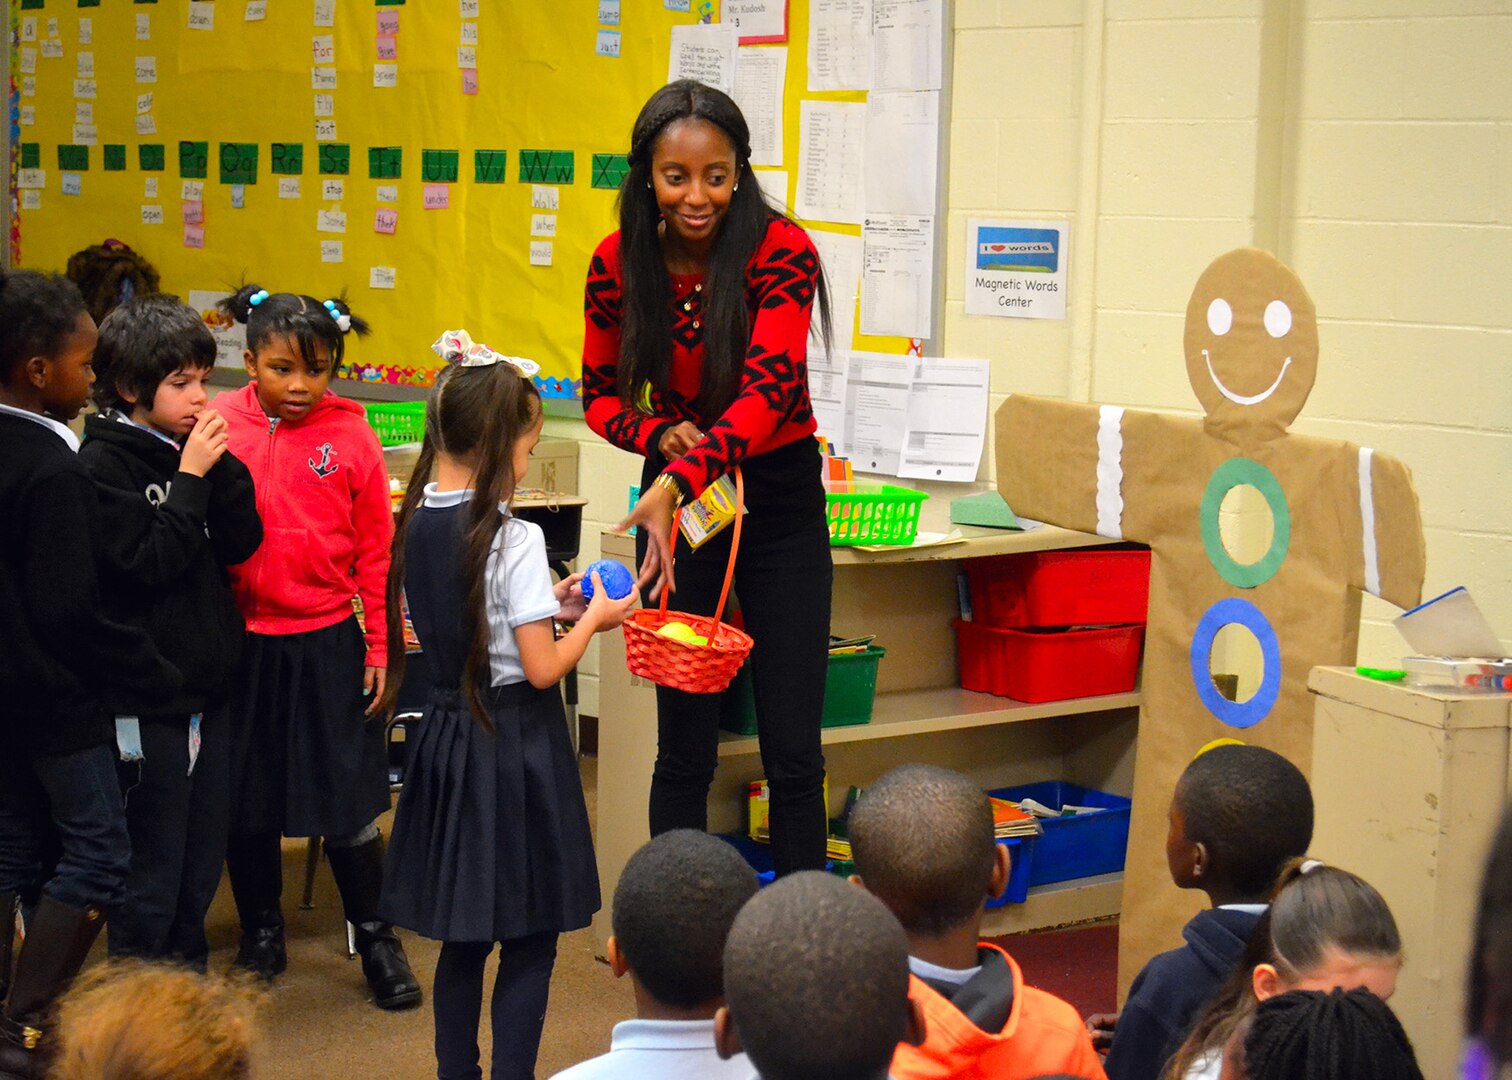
654, 513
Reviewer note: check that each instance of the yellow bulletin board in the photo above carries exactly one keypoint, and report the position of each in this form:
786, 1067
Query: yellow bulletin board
545, 101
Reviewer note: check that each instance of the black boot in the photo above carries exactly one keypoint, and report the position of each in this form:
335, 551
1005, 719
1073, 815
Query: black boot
58, 938
359, 877
8, 901
255, 866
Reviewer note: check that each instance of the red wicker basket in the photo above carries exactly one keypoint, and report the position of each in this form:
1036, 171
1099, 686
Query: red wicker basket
683, 665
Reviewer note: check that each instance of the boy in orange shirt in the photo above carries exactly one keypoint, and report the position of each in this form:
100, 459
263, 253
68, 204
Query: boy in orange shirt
922, 838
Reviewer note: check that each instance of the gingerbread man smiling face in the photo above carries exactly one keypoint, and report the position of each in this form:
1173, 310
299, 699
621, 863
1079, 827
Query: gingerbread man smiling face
1251, 345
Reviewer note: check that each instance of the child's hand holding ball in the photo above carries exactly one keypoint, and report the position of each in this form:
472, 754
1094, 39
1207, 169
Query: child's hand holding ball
610, 592
615, 576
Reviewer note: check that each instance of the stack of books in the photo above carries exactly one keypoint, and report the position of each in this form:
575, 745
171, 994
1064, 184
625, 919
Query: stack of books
837, 472
1009, 820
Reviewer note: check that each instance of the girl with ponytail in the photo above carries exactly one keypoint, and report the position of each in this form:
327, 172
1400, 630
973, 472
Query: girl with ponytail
1325, 929
491, 840
308, 756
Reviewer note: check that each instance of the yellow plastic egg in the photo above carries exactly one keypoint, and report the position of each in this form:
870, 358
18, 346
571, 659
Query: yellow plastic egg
681, 631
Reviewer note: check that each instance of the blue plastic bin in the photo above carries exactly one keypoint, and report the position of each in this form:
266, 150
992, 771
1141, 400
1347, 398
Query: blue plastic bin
759, 856
1074, 847
1020, 867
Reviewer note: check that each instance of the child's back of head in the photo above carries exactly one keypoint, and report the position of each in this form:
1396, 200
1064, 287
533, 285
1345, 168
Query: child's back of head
1238, 815
816, 977
1325, 928
922, 839
1312, 1035
134, 1021
673, 908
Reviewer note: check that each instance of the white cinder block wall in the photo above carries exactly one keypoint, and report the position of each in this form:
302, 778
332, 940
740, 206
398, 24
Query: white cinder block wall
1369, 145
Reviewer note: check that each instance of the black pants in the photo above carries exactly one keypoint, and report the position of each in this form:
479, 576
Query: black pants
517, 1012
178, 822
783, 575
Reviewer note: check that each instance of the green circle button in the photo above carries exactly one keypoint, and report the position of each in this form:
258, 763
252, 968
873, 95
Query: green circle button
1229, 475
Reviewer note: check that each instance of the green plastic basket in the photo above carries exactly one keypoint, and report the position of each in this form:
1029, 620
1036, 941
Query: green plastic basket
876, 514
397, 422
849, 692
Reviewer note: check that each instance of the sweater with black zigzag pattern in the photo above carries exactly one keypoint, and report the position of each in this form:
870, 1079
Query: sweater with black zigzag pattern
772, 408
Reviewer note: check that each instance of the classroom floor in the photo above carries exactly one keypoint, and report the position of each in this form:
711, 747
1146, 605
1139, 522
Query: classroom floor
318, 1024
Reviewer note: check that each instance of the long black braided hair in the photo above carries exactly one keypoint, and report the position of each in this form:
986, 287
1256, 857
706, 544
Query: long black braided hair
1340, 1035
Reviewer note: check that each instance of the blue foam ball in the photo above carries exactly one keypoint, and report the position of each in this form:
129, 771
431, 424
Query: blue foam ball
615, 576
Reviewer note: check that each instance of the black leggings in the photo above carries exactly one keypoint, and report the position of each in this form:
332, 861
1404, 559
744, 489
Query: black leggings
517, 1012
783, 575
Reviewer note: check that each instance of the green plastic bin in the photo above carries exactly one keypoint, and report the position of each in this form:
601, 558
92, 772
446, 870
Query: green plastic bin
398, 423
849, 690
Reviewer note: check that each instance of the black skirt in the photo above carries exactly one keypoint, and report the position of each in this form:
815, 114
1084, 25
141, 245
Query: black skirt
305, 760
491, 837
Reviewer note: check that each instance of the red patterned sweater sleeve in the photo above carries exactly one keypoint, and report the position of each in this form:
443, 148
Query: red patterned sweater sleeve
609, 416
772, 408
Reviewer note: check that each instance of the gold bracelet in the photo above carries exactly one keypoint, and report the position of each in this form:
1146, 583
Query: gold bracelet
666, 482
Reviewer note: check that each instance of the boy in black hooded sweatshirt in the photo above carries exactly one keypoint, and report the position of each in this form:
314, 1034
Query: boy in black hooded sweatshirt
1240, 813
176, 509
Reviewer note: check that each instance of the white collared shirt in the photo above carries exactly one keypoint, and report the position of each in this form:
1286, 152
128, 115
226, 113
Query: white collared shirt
519, 588
661, 1050
121, 418
63, 431
923, 969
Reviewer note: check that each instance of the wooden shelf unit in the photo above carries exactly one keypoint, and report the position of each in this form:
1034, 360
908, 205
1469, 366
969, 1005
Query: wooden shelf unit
908, 599
922, 712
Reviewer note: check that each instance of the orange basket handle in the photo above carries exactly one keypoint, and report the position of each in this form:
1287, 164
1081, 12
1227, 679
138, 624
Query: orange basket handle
724, 592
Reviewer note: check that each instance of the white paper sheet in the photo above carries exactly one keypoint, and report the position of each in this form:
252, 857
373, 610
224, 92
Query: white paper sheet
774, 187
230, 340
841, 255
760, 74
947, 421
877, 393
828, 376
705, 52
1016, 269
902, 151
897, 275
757, 20
839, 45
907, 44
831, 148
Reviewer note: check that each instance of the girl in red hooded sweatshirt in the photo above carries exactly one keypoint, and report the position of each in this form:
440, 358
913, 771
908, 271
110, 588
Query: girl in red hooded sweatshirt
308, 754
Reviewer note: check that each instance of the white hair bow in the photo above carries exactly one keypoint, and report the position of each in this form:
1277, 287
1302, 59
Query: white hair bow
457, 347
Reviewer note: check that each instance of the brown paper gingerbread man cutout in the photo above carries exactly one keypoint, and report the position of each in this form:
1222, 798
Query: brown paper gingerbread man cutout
1345, 520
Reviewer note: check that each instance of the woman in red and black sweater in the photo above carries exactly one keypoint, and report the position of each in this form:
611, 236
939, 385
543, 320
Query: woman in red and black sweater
698, 313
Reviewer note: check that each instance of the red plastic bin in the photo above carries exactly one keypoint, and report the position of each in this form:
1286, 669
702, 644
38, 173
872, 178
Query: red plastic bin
1059, 588
1048, 665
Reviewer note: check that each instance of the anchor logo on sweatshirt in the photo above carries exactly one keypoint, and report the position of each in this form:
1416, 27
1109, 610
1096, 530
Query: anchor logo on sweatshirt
325, 466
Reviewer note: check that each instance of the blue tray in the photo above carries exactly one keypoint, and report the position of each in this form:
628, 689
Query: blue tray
1074, 847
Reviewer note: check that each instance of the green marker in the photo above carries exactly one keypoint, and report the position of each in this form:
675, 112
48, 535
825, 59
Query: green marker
1384, 674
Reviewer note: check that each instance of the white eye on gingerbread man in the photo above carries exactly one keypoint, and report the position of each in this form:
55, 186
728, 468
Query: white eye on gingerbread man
1277, 319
